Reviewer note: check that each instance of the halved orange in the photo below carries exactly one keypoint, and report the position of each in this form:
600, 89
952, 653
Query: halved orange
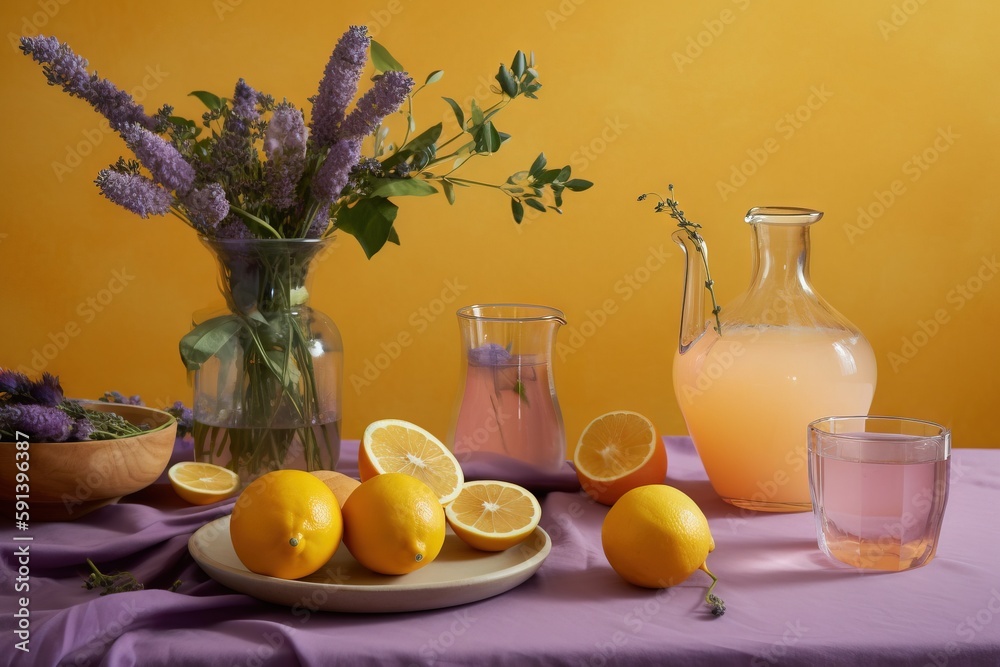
618, 452
202, 483
492, 515
394, 445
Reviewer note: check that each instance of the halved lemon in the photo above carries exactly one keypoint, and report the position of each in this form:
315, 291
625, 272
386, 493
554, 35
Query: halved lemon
492, 515
394, 445
202, 483
618, 452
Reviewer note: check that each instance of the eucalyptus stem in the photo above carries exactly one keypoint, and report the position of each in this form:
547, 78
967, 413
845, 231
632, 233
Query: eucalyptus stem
670, 204
712, 600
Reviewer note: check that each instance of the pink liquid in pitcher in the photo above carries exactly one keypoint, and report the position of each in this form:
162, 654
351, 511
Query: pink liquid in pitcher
508, 416
880, 515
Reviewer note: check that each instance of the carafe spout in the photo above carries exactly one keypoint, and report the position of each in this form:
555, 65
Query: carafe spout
693, 320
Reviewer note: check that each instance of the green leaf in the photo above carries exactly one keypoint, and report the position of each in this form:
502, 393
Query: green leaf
538, 165
181, 121
206, 339
449, 191
535, 204
434, 77
393, 236
459, 114
383, 60
210, 100
506, 81
370, 222
563, 174
418, 143
578, 185
477, 115
519, 64
487, 139
401, 187
517, 210
547, 176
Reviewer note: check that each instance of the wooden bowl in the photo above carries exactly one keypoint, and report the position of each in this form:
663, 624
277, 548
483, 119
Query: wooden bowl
69, 479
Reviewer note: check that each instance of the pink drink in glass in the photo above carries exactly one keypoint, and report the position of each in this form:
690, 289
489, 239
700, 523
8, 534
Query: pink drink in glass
879, 498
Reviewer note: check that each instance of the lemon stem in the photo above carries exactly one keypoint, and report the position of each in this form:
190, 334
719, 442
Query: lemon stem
712, 600
294, 542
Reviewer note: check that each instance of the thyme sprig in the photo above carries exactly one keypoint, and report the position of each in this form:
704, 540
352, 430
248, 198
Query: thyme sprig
711, 599
116, 582
669, 204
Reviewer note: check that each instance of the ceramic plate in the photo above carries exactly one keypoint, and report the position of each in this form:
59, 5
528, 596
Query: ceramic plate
458, 575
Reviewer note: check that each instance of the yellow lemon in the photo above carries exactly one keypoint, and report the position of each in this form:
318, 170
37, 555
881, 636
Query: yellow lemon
656, 536
342, 485
493, 516
202, 483
394, 524
617, 452
286, 524
394, 445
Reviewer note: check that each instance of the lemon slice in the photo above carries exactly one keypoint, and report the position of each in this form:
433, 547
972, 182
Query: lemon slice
493, 516
618, 452
394, 445
202, 483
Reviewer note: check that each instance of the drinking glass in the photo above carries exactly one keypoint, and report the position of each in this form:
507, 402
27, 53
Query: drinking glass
879, 486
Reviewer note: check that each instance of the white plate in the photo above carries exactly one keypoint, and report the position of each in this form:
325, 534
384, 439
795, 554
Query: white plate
459, 574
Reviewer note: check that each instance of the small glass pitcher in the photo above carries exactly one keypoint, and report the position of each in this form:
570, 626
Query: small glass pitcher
508, 423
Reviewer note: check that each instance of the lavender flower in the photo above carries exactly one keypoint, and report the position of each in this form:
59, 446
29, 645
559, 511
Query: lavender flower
14, 383
47, 391
184, 417
206, 207
339, 85
168, 166
333, 174
490, 354
233, 152
82, 429
321, 222
134, 192
285, 147
40, 422
120, 399
245, 101
64, 68
234, 228
384, 98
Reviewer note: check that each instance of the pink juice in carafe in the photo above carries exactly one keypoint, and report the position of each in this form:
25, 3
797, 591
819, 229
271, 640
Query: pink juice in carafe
509, 416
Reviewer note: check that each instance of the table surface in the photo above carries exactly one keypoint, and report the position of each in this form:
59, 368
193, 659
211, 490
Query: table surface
787, 603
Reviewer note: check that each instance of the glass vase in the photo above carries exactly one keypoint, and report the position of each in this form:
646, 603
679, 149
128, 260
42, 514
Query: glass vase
268, 370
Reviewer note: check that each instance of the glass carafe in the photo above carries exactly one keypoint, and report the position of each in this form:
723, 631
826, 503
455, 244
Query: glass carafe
784, 358
508, 423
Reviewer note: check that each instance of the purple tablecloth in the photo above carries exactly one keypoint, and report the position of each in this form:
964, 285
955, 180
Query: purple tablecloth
787, 605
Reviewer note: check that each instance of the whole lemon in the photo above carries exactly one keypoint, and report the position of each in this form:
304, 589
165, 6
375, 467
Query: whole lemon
656, 536
286, 524
394, 524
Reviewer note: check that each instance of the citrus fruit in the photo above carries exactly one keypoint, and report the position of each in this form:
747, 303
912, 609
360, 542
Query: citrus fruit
617, 452
656, 536
394, 445
202, 483
342, 485
286, 524
394, 524
493, 516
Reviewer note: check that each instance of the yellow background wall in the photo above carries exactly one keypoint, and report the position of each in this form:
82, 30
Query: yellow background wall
888, 107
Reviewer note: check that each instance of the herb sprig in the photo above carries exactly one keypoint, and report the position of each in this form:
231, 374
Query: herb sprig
669, 204
116, 582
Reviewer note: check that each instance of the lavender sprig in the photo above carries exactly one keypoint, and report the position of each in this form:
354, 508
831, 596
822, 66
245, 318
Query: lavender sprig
385, 97
285, 148
159, 156
339, 85
64, 68
134, 192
